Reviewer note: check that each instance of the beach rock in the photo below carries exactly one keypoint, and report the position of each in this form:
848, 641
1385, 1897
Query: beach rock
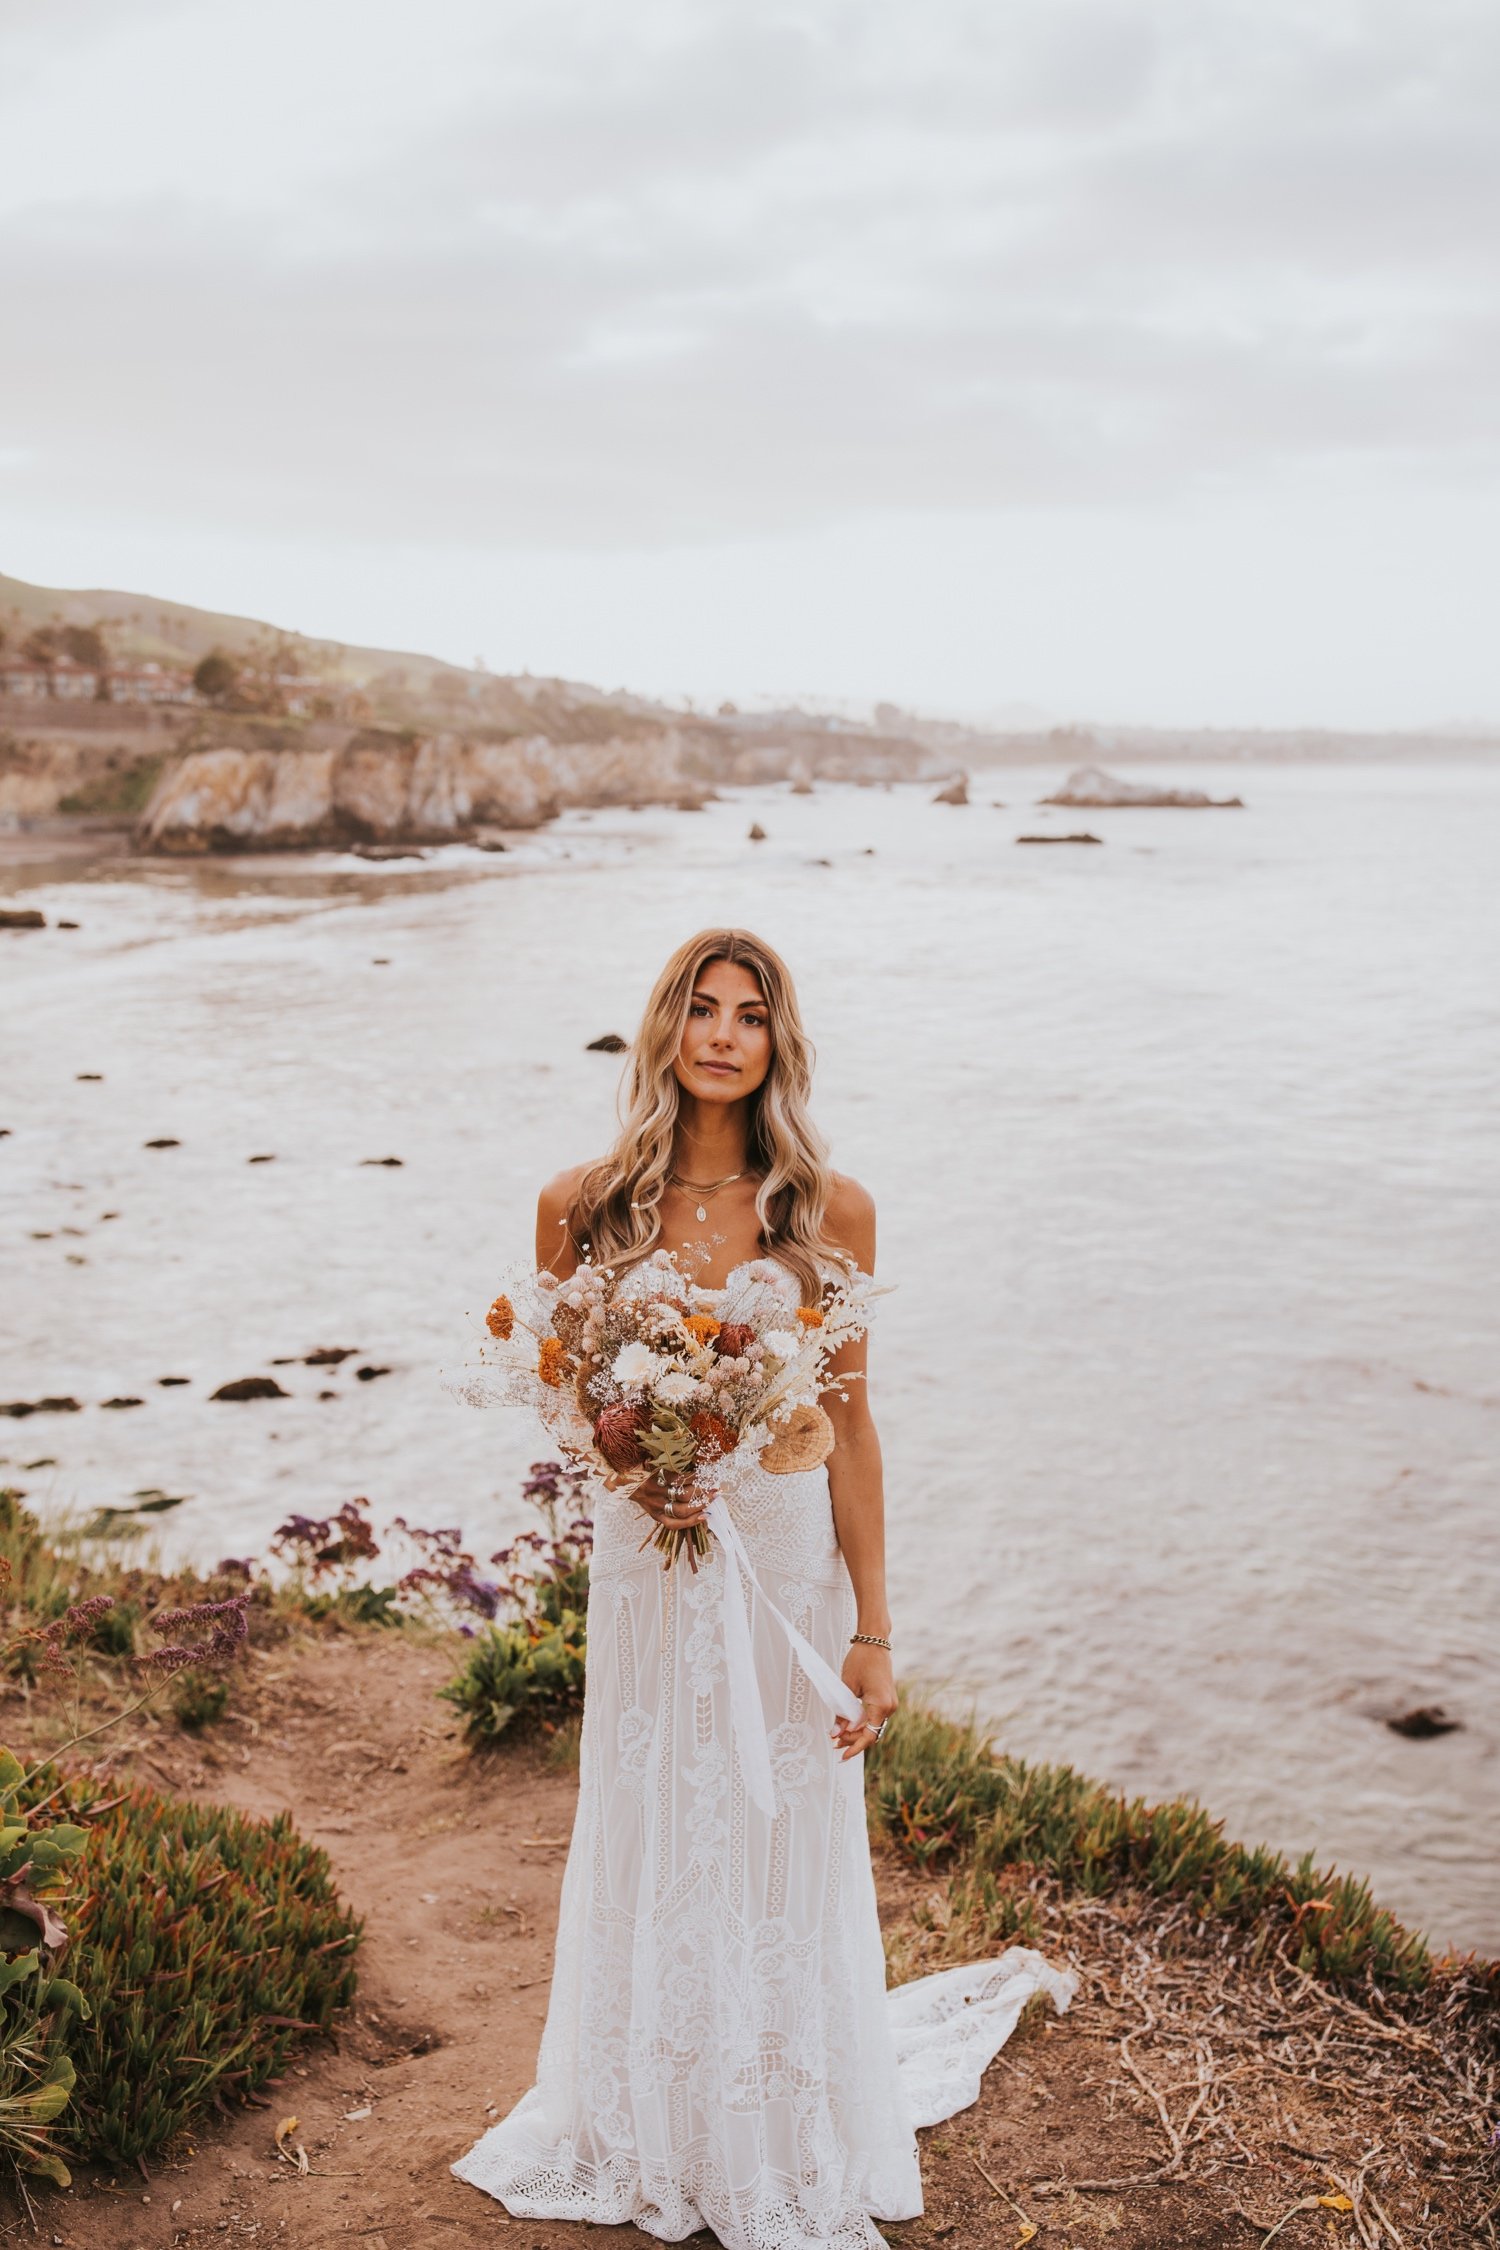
172, 1382
608, 1043
757, 833
260, 1160
329, 1355
165, 1142
1425, 1722
19, 1408
67, 925
387, 851
956, 793
89, 1077
1081, 836
1091, 785
105, 1403
369, 1374
22, 918
251, 1386
388, 1162
801, 787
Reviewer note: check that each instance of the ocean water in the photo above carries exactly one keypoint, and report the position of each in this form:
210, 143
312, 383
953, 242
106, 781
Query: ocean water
1186, 1158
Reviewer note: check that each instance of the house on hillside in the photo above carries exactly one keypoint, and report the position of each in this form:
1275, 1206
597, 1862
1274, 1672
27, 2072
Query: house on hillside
19, 676
62, 680
22, 675
147, 683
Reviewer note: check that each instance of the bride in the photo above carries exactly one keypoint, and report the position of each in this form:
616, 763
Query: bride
720, 2049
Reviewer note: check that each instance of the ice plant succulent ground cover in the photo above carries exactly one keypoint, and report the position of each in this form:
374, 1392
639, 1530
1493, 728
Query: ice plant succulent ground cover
650, 1373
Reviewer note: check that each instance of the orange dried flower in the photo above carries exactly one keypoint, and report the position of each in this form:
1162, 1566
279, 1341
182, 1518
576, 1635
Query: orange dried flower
713, 1434
500, 1320
811, 1316
701, 1326
553, 1364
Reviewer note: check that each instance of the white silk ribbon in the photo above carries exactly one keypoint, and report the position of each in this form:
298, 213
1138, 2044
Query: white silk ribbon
746, 1710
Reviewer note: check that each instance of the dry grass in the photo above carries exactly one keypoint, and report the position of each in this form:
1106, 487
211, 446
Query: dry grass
1303, 2106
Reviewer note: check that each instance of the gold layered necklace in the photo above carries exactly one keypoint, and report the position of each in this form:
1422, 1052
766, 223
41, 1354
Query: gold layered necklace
705, 1190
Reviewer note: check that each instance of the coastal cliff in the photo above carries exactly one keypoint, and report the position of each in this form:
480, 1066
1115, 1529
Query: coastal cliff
376, 788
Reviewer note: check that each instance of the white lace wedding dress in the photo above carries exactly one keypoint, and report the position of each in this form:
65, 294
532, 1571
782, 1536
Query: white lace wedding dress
720, 2049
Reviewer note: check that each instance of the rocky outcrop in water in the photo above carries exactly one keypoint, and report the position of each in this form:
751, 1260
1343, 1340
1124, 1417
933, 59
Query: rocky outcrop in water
1092, 786
389, 788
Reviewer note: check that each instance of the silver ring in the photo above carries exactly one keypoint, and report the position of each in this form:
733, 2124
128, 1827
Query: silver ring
880, 1730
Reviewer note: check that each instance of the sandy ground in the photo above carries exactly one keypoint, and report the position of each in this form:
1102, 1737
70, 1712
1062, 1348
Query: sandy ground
455, 1861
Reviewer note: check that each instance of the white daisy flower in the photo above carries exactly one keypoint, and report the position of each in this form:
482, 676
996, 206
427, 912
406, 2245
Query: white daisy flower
782, 1342
676, 1388
634, 1364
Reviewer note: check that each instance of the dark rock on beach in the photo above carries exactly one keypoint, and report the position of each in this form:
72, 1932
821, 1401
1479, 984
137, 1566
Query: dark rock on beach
22, 918
1091, 785
106, 1403
1081, 837
1422, 1724
260, 1160
251, 1386
956, 793
387, 851
19, 1408
610, 1043
89, 1077
172, 1382
369, 1374
329, 1355
757, 833
393, 1162
166, 1142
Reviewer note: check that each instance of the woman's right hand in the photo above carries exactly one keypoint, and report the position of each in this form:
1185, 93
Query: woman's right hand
651, 1498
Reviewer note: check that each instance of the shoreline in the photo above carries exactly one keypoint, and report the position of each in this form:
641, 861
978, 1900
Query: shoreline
1321, 1457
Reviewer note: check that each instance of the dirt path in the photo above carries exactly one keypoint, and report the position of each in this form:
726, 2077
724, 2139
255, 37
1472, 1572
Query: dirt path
455, 1863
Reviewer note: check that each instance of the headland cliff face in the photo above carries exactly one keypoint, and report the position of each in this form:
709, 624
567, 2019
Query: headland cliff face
436, 788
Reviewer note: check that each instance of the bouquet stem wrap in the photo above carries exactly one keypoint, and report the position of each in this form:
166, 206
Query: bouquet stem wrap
747, 1712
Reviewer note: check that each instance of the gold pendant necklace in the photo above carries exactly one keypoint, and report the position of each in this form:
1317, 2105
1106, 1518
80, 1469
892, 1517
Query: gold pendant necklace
705, 1190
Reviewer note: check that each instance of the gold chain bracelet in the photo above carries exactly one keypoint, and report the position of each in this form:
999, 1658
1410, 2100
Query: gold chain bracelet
876, 1640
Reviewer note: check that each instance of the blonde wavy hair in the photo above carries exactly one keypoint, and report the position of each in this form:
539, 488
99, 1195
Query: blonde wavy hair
617, 1211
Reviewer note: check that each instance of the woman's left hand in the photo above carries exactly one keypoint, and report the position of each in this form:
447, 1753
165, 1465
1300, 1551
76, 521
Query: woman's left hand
869, 1672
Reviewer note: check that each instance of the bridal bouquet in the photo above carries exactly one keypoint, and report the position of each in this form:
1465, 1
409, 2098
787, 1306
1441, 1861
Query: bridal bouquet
650, 1374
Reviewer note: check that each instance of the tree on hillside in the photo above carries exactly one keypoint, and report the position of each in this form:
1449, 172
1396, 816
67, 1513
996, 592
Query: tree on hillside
85, 644
216, 676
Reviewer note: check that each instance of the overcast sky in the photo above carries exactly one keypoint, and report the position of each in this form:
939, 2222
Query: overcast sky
1125, 358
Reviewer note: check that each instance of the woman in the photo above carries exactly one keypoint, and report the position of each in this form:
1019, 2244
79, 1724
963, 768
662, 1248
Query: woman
719, 2049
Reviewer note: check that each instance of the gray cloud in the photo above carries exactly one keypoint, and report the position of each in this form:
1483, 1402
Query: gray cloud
674, 273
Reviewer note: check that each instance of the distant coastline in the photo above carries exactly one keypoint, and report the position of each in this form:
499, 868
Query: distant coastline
191, 733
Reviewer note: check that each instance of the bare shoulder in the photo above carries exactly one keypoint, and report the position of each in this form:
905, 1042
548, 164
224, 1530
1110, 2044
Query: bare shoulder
850, 1220
555, 1247
562, 1189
